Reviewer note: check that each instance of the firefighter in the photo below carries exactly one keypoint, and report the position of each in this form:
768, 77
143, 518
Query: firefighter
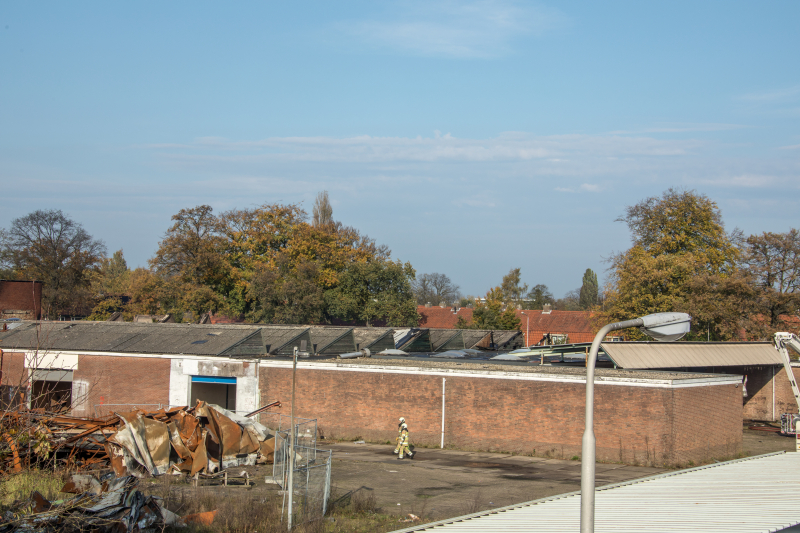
405, 443
399, 434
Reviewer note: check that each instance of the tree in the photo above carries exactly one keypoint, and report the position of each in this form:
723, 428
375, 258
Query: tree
112, 276
540, 295
48, 246
512, 288
290, 294
435, 288
191, 249
492, 313
323, 212
682, 222
375, 291
570, 302
589, 290
773, 259
679, 242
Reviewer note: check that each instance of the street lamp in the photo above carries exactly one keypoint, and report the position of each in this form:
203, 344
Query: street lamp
661, 326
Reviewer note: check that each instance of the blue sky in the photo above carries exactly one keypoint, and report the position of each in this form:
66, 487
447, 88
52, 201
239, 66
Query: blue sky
469, 137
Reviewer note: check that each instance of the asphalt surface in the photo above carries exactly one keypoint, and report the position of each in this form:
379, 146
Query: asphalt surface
447, 483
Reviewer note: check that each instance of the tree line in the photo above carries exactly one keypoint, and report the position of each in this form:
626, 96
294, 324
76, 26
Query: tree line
265, 264
275, 264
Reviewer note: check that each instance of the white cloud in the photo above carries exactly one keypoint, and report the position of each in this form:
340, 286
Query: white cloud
742, 181
367, 149
584, 187
450, 28
682, 127
792, 147
786, 93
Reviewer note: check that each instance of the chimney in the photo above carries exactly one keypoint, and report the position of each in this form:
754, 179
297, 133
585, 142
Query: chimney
427, 304
546, 309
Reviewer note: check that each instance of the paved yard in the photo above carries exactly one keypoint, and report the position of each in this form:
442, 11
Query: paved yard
447, 483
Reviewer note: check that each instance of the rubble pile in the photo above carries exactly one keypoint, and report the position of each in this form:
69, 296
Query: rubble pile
104, 506
203, 439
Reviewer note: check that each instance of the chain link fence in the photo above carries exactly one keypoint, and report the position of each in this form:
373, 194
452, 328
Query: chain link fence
311, 481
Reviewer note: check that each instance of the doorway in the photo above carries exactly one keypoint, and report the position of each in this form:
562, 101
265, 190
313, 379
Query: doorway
212, 389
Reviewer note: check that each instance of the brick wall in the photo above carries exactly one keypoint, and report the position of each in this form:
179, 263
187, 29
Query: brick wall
759, 402
646, 425
25, 296
15, 379
119, 380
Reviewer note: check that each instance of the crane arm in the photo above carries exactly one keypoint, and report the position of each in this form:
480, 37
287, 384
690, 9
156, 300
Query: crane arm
782, 341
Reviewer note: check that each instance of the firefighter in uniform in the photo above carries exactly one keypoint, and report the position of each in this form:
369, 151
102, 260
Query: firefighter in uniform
399, 434
405, 443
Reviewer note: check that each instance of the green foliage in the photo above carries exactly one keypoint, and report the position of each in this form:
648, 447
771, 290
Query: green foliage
682, 260
377, 290
589, 290
540, 295
493, 313
105, 308
512, 287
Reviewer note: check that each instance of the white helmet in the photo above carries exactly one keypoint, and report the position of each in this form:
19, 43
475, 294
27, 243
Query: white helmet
404, 426
402, 419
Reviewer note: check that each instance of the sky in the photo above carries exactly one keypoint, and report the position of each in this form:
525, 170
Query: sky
469, 137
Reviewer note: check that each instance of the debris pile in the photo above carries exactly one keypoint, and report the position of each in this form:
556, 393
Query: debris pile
202, 439
105, 505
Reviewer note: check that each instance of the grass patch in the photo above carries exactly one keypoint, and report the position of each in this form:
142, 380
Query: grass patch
19, 486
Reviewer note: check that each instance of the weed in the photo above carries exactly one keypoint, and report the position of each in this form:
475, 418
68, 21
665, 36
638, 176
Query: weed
576, 458
19, 486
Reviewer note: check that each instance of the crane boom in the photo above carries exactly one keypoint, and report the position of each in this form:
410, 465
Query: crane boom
782, 342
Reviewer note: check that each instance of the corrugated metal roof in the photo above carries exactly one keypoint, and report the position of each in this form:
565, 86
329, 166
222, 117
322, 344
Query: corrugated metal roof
757, 494
641, 355
126, 337
332, 339
376, 339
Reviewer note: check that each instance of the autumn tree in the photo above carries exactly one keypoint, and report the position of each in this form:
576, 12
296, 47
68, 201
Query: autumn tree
492, 313
48, 246
435, 288
512, 288
678, 238
191, 249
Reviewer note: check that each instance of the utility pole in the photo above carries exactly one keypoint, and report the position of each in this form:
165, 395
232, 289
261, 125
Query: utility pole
291, 442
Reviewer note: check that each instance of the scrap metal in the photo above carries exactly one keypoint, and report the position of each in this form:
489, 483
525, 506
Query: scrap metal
203, 439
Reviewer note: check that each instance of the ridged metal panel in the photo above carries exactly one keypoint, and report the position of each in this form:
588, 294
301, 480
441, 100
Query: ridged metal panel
757, 494
331, 340
641, 355
442, 339
376, 339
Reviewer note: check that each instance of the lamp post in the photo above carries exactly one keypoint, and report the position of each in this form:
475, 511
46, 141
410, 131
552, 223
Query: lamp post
661, 326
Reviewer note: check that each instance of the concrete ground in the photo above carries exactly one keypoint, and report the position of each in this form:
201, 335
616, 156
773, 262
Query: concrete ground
447, 483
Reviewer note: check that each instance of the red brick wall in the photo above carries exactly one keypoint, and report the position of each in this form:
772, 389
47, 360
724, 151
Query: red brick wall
759, 404
121, 380
632, 424
15, 378
23, 296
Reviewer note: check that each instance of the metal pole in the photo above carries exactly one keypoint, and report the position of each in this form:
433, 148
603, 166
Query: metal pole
291, 441
588, 446
443, 392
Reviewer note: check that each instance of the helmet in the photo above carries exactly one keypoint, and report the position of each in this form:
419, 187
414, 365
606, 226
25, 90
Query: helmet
402, 419
404, 426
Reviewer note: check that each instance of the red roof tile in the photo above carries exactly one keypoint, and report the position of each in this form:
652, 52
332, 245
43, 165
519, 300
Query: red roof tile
535, 324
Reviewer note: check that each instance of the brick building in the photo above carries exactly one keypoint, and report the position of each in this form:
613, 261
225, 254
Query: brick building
21, 299
573, 326
658, 417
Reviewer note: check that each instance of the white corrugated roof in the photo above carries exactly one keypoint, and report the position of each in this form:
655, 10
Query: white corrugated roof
640, 355
747, 495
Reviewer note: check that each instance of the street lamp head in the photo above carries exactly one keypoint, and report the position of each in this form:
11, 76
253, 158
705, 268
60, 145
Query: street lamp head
666, 327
